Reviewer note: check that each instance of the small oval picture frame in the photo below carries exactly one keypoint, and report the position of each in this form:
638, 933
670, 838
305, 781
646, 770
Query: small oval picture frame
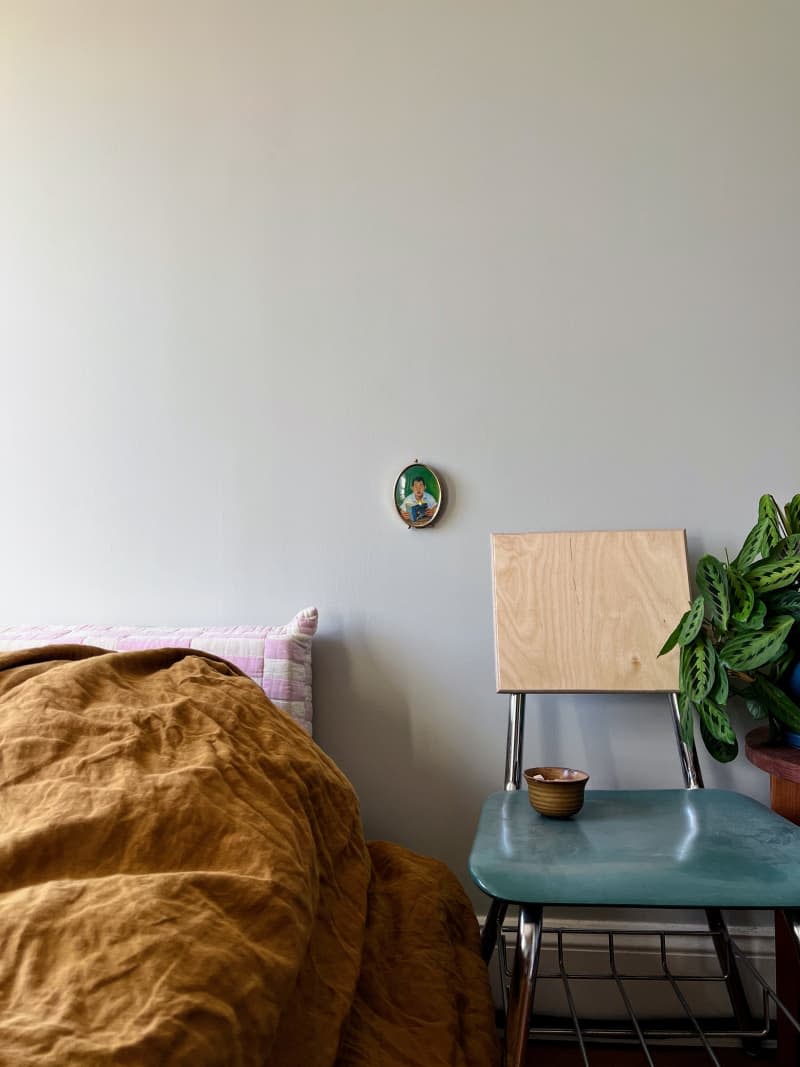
418, 495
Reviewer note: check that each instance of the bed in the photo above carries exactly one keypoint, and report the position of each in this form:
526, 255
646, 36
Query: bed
185, 881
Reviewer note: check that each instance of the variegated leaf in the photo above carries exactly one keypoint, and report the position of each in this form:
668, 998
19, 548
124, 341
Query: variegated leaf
742, 596
756, 618
713, 584
752, 547
787, 546
716, 721
777, 703
773, 527
721, 751
688, 628
792, 512
672, 640
694, 621
697, 668
748, 651
683, 681
778, 667
785, 602
753, 704
772, 574
721, 689
686, 719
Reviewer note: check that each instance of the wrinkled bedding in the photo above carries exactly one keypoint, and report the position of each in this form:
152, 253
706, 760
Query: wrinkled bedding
184, 881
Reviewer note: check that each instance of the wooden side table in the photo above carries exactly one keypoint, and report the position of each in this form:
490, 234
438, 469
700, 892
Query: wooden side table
782, 764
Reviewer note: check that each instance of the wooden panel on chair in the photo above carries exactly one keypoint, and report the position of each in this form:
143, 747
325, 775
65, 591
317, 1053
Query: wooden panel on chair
587, 612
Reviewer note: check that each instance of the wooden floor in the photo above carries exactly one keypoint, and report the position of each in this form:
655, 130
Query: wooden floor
563, 1055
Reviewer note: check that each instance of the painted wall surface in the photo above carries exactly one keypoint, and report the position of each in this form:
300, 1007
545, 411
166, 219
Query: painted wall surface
255, 257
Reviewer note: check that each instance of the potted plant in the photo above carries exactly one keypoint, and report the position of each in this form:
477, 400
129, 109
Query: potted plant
740, 637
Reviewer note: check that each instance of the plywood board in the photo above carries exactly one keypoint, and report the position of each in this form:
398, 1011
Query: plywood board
587, 611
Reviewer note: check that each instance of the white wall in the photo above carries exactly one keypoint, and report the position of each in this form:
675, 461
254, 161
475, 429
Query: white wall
255, 257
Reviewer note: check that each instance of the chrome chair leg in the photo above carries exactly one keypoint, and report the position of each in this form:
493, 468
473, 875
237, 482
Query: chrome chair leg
516, 733
787, 960
793, 922
497, 912
523, 983
687, 754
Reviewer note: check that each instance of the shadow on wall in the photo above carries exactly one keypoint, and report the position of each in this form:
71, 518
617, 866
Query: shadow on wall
361, 719
627, 741
407, 787
604, 735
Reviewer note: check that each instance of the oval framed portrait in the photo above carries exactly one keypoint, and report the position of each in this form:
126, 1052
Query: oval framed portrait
418, 495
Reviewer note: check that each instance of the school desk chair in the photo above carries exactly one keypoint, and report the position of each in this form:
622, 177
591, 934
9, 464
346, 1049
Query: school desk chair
588, 613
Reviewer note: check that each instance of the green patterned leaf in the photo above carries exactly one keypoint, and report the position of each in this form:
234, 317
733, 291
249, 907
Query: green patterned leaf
683, 681
748, 651
688, 628
694, 620
777, 703
752, 548
779, 666
773, 528
785, 602
753, 704
720, 691
697, 668
787, 546
772, 574
756, 619
742, 596
713, 584
792, 512
722, 751
686, 719
716, 721
672, 640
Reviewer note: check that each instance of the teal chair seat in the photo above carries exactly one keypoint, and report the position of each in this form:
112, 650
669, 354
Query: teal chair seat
674, 848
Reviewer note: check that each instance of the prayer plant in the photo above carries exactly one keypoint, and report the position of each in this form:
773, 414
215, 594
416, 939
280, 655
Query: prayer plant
741, 635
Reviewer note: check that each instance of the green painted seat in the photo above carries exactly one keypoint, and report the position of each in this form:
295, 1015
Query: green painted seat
674, 848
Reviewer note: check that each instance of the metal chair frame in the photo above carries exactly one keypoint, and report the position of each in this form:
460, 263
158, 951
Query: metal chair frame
524, 973
529, 930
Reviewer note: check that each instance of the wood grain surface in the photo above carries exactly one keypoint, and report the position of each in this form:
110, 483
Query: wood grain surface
781, 762
588, 611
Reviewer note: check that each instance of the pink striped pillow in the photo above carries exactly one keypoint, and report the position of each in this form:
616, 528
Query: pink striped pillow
278, 658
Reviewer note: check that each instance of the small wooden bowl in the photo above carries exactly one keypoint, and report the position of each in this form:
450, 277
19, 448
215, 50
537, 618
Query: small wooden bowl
556, 791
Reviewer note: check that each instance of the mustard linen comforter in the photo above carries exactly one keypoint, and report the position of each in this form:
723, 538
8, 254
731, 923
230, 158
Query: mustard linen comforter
184, 881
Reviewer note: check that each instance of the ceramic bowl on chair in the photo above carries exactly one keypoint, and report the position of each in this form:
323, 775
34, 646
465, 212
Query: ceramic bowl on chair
556, 791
